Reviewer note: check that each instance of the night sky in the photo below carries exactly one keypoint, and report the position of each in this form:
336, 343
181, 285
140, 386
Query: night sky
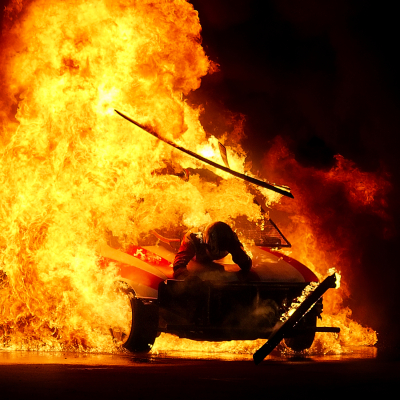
323, 75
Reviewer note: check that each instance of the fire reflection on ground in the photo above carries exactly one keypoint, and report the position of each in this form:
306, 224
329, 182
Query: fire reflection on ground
127, 359
353, 352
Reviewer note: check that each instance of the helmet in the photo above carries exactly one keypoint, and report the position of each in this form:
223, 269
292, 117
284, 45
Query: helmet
219, 239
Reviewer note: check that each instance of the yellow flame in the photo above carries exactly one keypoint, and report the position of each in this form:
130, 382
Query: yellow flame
297, 302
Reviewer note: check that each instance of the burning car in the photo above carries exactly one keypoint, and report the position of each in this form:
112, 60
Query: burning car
72, 171
214, 304
222, 302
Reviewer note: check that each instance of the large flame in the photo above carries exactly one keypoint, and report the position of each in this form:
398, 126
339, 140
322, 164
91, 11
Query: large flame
73, 173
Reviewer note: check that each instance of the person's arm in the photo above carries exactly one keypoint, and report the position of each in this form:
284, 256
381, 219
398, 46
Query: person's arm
241, 258
185, 253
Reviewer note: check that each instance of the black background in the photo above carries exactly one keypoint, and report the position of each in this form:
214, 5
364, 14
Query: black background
323, 73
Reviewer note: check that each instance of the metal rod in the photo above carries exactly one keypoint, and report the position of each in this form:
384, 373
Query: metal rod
214, 164
274, 340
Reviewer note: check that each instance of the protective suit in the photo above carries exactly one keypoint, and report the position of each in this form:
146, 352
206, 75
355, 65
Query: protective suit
208, 243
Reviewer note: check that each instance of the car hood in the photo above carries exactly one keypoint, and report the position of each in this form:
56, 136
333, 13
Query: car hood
145, 267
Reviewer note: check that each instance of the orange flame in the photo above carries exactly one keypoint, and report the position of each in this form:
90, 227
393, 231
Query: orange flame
73, 172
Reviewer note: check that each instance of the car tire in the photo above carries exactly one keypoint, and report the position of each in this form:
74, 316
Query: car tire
144, 324
303, 341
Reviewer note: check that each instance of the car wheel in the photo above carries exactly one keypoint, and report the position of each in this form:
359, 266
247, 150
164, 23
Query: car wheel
142, 332
303, 341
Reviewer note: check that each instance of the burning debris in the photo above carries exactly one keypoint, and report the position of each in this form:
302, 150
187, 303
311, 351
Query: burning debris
298, 312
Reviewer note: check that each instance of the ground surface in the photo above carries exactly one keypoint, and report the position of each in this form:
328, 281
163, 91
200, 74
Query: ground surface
78, 376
